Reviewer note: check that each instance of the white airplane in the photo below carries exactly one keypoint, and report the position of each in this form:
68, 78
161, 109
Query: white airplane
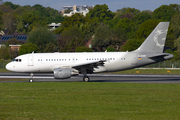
65, 65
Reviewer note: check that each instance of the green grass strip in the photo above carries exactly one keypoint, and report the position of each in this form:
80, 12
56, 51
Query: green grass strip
150, 71
89, 101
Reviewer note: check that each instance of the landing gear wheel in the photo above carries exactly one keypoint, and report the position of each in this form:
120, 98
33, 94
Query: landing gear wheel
86, 79
31, 80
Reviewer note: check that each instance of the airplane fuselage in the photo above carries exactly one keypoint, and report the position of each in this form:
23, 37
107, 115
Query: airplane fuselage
47, 62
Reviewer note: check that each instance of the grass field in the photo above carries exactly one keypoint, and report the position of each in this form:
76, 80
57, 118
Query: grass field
150, 71
89, 101
3, 70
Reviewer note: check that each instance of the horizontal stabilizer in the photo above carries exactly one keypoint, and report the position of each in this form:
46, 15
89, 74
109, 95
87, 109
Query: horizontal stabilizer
159, 55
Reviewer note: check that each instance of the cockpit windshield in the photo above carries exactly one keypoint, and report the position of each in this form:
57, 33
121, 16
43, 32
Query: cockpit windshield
17, 60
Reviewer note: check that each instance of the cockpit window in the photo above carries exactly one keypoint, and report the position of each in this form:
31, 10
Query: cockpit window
17, 60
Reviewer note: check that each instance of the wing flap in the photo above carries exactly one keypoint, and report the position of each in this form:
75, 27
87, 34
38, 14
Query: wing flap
89, 64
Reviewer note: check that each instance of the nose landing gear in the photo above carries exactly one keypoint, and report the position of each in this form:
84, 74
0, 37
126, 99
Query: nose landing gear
31, 78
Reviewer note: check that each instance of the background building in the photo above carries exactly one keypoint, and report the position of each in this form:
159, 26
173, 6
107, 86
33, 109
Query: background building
20, 37
53, 26
71, 10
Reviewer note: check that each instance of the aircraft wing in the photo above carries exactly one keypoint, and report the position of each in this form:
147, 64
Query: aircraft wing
89, 66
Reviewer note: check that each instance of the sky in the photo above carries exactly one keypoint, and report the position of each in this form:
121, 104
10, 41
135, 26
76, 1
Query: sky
112, 4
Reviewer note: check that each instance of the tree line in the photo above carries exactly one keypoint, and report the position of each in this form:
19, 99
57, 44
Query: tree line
122, 30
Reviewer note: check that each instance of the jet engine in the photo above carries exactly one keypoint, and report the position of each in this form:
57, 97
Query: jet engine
64, 73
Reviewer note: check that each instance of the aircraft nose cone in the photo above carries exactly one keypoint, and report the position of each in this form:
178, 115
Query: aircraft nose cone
9, 67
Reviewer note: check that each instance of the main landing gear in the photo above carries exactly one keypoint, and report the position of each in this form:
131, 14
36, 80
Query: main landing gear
31, 78
86, 79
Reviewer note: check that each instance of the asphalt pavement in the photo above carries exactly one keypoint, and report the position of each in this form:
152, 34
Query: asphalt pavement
120, 78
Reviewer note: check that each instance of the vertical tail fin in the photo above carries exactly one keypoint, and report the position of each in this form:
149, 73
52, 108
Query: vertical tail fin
156, 40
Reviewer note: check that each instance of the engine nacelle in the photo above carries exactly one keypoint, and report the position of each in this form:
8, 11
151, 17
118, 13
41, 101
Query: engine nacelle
62, 73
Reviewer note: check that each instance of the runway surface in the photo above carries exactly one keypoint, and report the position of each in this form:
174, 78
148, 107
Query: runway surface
95, 78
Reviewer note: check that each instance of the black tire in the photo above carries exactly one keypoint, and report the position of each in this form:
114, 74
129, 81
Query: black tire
31, 80
86, 79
